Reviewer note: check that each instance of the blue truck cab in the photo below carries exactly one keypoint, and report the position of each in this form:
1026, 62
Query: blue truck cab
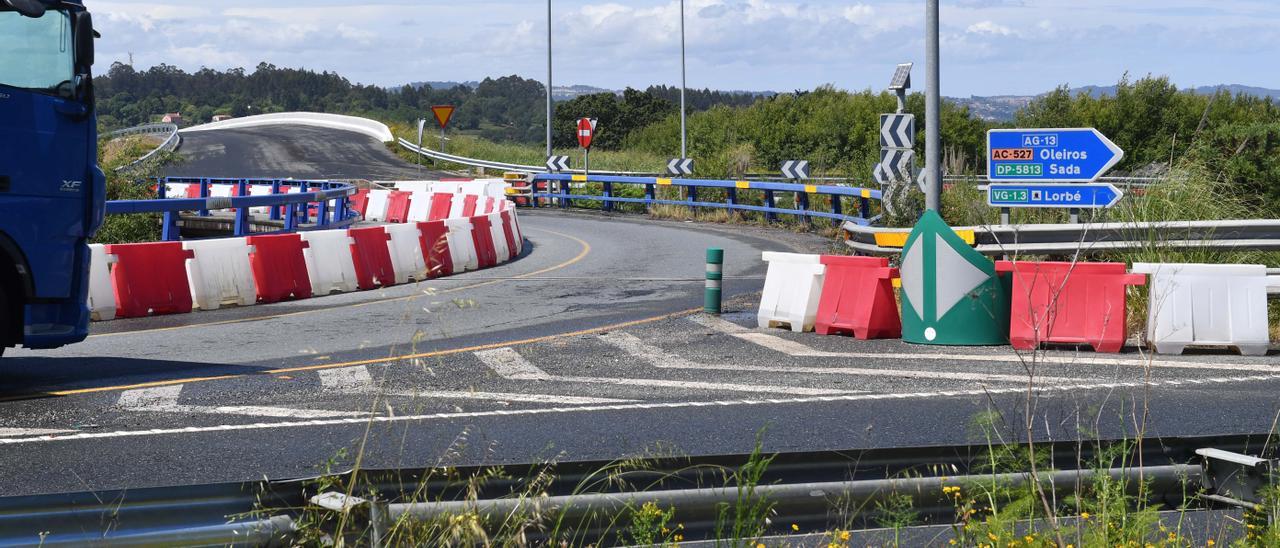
51, 190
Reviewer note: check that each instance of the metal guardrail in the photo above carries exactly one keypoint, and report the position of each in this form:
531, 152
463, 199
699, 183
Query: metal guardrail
1249, 234
329, 197
170, 144
804, 486
770, 209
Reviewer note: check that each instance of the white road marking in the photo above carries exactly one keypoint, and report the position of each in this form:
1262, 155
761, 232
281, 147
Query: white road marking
164, 399
357, 380
1044, 390
664, 360
509, 364
507, 361
793, 348
508, 396
21, 432
346, 379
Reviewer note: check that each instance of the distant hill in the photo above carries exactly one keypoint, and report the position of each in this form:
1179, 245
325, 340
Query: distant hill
1001, 108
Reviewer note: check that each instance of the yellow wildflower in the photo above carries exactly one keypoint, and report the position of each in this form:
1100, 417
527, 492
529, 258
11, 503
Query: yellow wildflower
1209, 542
795, 527
844, 535
1084, 515
992, 536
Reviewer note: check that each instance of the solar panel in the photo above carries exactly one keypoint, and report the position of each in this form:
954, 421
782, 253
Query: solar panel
901, 77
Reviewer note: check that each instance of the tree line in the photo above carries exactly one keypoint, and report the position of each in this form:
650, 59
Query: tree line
1235, 137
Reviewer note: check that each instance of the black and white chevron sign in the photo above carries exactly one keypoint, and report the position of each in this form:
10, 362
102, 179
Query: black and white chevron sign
680, 166
895, 165
557, 163
795, 169
897, 130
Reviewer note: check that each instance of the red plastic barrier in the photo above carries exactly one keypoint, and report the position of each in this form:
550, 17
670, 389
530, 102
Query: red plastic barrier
398, 206
1059, 302
858, 298
150, 279
435, 248
279, 268
483, 237
441, 204
490, 204
508, 230
193, 190
359, 201
469, 205
372, 257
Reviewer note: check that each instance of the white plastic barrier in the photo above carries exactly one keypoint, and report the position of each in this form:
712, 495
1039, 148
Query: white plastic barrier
260, 190
462, 245
329, 262
102, 297
412, 186
456, 207
420, 206
176, 190
220, 273
1208, 305
222, 190
495, 188
499, 235
377, 208
406, 252
792, 289
447, 187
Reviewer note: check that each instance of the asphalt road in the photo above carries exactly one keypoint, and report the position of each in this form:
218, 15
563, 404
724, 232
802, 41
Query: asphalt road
586, 347
299, 152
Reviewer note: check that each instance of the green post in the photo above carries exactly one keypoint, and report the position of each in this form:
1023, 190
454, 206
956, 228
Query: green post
715, 273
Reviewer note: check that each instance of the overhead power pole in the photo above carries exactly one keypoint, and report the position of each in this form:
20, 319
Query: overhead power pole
684, 139
932, 111
550, 108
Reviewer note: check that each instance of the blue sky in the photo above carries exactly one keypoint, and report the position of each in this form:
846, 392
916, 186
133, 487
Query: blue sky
989, 47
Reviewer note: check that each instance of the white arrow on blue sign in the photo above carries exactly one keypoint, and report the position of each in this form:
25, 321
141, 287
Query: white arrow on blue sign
1080, 196
1064, 155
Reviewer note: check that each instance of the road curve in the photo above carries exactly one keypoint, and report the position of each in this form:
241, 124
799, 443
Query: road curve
296, 151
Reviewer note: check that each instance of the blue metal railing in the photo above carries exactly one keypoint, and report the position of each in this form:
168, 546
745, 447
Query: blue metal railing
329, 198
838, 194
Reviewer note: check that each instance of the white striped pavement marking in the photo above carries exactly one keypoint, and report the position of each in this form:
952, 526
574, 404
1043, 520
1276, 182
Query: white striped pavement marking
358, 379
508, 396
509, 361
27, 432
345, 379
796, 349
509, 364
164, 399
981, 393
664, 360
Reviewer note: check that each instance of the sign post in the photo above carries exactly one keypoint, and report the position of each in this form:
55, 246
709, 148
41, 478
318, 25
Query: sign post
443, 114
586, 132
422, 124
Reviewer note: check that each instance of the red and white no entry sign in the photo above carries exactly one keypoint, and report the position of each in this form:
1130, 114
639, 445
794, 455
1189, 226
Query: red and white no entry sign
586, 130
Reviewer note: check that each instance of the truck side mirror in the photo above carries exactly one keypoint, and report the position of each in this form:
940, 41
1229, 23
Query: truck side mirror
29, 8
84, 40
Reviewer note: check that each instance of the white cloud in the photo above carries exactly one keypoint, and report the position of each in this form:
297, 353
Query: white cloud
732, 44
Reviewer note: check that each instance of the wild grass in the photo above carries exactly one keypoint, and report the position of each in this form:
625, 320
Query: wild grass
130, 184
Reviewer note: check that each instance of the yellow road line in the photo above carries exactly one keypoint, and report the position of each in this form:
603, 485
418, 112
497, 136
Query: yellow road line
586, 249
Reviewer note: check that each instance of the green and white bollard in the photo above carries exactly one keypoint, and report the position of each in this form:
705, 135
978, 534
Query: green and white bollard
715, 273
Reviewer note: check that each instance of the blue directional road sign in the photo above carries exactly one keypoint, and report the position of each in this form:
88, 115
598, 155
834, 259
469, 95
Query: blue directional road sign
1081, 196
1073, 155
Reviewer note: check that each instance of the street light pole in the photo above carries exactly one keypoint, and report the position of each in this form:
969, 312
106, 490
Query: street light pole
684, 152
932, 111
549, 105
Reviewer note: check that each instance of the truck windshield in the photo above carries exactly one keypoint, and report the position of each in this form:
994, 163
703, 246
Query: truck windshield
36, 54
